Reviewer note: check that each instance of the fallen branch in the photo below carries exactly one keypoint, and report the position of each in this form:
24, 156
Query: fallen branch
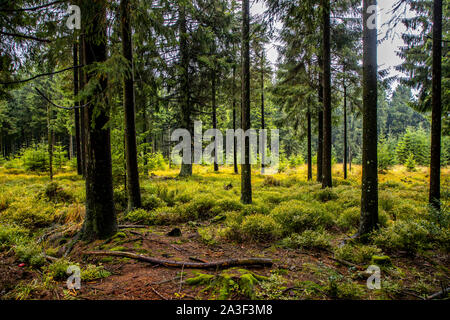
191, 265
158, 294
439, 294
132, 226
346, 263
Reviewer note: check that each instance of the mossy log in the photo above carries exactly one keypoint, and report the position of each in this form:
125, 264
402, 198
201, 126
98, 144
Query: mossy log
191, 265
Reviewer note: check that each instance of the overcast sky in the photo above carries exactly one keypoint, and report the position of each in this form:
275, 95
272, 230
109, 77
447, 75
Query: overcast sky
387, 57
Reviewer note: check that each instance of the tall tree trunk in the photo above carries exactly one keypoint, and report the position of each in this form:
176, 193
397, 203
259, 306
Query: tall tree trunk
263, 124
326, 156
246, 173
50, 143
134, 191
83, 111
214, 116
320, 126
235, 165
345, 127
308, 115
76, 86
369, 195
146, 140
186, 168
436, 115
100, 221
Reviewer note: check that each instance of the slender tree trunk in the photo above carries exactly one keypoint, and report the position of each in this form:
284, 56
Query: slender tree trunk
308, 115
246, 173
50, 143
436, 116
214, 116
345, 127
70, 146
235, 165
83, 112
326, 156
146, 141
369, 196
134, 191
100, 220
186, 168
320, 126
263, 124
76, 85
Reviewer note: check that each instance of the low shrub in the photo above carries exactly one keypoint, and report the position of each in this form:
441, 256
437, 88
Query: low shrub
141, 216
12, 235
325, 195
296, 216
308, 239
30, 253
356, 253
55, 193
256, 227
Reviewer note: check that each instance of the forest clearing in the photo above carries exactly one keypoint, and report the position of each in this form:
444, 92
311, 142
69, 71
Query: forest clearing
291, 221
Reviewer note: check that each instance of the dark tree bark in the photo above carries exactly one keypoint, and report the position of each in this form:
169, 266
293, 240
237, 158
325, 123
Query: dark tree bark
345, 127
186, 122
214, 116
235, 165
100, 221
134, 190
320, 126
326, 156
246, 173
77, 111
308, 115
50, 142
83, 112
263, 123
436, 115
369, 195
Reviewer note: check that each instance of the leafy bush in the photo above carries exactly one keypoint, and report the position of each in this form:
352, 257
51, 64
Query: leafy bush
297, 216
271, 182
404, 235
55, 193
386, 155
410, 163
36, 158
155, 161
30, 253
141, 216
59, 156
349, 218
11, 235
416, 143
356, 253
295, 161
29, 214
308, 239
325, 195
151, 202
260, 227
58, 269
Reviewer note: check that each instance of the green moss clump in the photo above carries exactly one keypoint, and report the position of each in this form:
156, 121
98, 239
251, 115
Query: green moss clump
118, 248
232, 281
381, 260
200, 279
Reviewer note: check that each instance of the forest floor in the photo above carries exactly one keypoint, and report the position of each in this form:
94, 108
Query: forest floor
304, 230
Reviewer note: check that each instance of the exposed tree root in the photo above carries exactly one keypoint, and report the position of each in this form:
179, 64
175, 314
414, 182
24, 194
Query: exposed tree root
192, 265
